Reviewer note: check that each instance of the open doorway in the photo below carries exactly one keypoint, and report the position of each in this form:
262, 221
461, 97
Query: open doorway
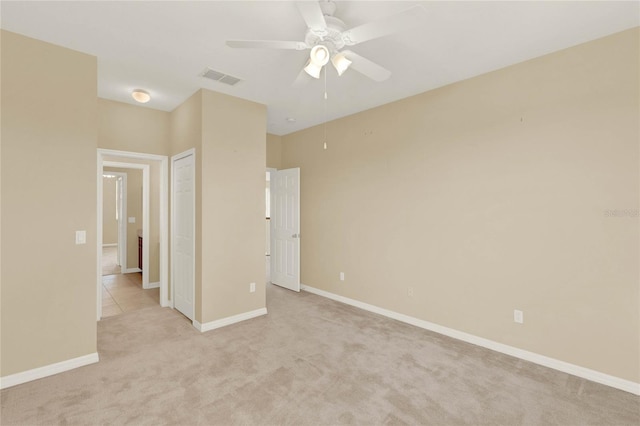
114, 224
143, 254
123, 220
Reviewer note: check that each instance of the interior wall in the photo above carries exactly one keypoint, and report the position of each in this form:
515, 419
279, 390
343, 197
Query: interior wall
274, 151
228, 135
186, 133
126, 127
49, 129
131, 128
109, 205
517, 189
233, 203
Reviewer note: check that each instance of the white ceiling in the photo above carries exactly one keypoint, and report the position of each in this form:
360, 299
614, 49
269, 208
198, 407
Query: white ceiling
164, 46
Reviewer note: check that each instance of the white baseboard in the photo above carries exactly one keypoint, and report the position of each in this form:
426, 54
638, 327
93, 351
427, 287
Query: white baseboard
110, 245
229, 320
152, 285
47, 370
131, 270
565, 367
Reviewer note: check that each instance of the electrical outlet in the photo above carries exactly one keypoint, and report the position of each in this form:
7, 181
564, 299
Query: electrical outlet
341, 276
252, 287
518, 316
410, 292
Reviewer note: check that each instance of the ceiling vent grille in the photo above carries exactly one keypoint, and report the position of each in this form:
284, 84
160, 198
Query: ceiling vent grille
220, 77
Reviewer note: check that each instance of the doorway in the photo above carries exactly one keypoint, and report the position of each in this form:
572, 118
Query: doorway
114, 224
144, 163
183, 232
285, 228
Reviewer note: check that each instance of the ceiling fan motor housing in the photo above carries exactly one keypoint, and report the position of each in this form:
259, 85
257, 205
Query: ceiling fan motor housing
331, 36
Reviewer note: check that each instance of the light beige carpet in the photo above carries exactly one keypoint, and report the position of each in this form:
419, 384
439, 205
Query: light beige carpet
311, 361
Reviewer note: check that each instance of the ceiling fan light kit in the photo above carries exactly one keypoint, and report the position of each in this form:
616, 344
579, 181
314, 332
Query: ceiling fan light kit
318, 58
319, 55
313, 69
327, 35
340, 62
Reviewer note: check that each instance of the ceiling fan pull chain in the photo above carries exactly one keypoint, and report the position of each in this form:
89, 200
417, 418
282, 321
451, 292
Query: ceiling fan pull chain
325, 108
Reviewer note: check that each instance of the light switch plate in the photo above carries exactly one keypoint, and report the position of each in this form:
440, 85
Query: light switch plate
81, 237
132, 220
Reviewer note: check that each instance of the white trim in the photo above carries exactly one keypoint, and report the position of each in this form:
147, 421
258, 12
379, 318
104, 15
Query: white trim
229, 320
565, 367
164, 232
110, 245
122, 213
131, 270
99, 207
146, 225
131, 154
47, 370
146, 217
152, 285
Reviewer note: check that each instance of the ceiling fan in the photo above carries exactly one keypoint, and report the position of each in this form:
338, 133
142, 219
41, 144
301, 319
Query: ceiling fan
327, 35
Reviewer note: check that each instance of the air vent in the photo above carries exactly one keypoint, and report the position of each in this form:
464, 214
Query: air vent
220, 77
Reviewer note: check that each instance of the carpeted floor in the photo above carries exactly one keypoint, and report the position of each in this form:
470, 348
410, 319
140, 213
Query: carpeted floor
310, 361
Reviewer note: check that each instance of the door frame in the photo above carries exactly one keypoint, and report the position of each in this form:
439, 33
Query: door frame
145, 217
164, 210
175, 158
269, 170
122, 213
274, 220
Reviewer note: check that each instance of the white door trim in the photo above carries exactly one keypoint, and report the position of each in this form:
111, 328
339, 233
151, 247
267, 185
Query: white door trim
145, 216
122, 224
164, 221
174, 158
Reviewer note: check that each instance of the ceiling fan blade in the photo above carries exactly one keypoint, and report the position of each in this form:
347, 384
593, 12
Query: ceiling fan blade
366, 67
312, 14
385, 26
268, 44
302, 79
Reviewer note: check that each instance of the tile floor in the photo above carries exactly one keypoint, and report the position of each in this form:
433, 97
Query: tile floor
124, 292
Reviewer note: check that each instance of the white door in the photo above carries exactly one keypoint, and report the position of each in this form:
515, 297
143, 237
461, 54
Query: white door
183, 233
285, 228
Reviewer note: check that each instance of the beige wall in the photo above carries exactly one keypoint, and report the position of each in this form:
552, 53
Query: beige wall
491, 195
133, 128
109, 205
186, 133
127, 127
233, 200
228, 135
49, 141
274, 151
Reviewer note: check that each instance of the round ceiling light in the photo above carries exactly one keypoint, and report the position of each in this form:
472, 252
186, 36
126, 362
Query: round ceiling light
141, 96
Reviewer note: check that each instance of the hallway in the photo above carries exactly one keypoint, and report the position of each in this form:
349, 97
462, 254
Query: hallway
123, 292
